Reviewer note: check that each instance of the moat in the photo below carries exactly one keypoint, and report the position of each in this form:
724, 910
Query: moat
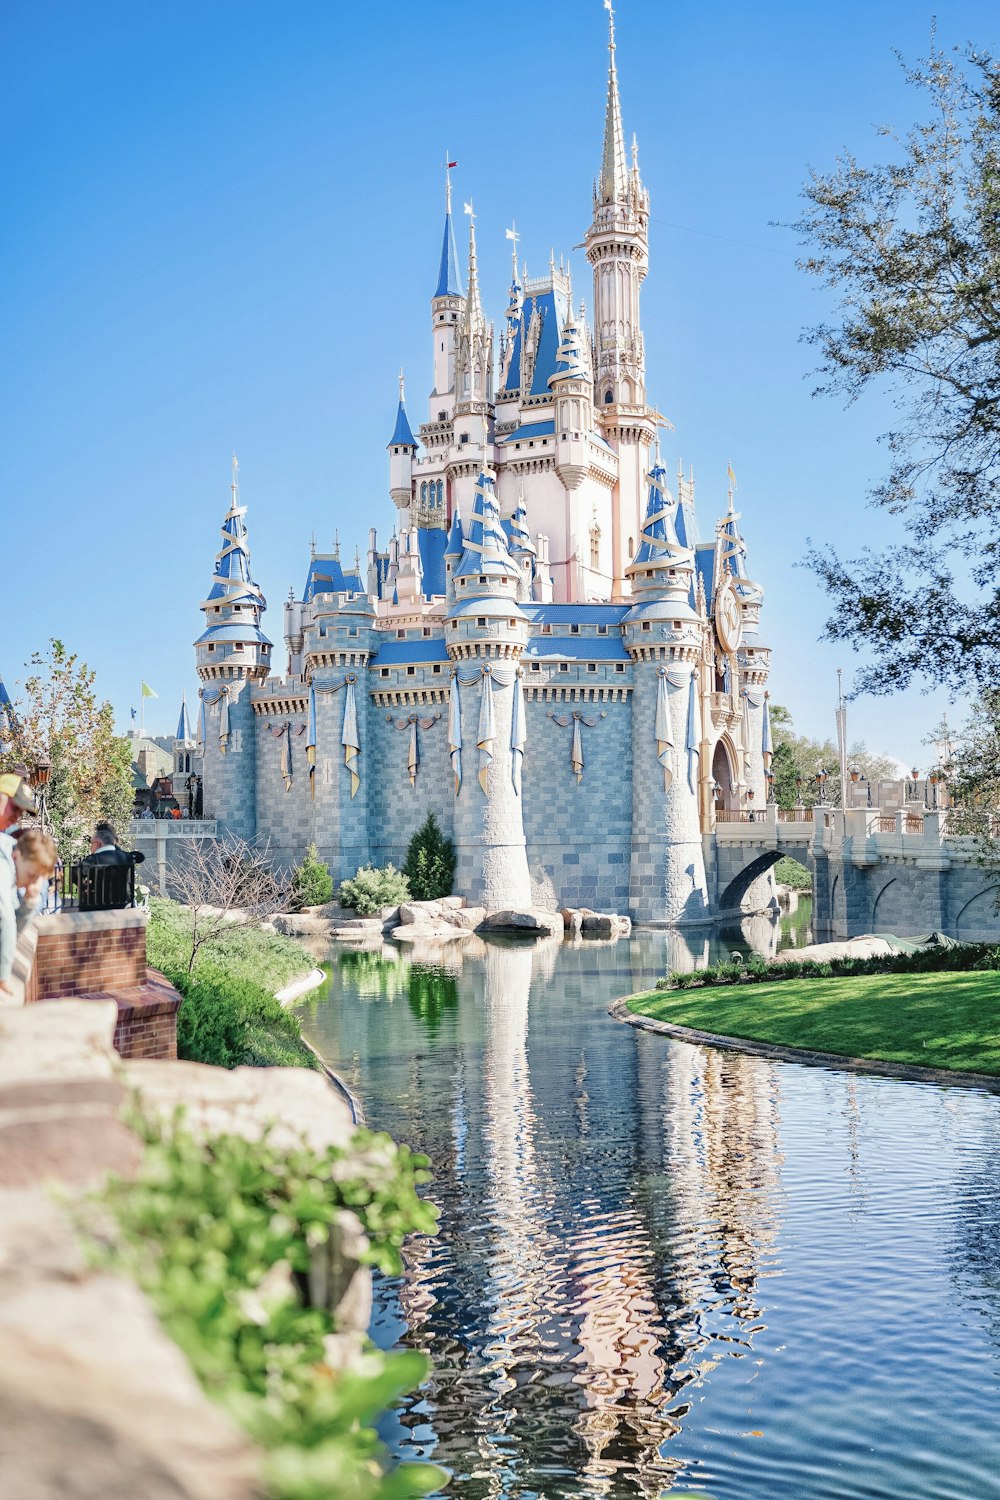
663, 1267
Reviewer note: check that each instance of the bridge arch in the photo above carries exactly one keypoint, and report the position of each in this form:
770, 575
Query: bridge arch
734, 894
878, 898
988, 890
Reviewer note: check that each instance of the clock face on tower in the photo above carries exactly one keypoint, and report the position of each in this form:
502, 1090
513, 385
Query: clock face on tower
728, 617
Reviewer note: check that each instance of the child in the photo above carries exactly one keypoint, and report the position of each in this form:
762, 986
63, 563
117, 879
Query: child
34, 864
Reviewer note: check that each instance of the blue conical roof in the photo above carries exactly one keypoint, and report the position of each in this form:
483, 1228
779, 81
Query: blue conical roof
402, 434
184, 723
520, 536
456, 537
449, 282
658, 540
485, 550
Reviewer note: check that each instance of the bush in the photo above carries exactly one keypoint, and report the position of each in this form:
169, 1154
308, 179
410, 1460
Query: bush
790, 872
232, 1290
312, 883
235, 1023
430, 862
371, 889
957, 959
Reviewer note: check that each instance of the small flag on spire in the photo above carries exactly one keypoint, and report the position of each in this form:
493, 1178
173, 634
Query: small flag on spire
147, 691
732, 476
133, 712
469, 209
451, 164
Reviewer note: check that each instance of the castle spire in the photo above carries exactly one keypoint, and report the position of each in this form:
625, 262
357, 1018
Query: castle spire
474, 315
449, 282
613, 184
184, 723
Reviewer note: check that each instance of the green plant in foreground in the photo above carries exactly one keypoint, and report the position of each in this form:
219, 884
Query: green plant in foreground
312, 883
371, 889
219, 1234
430, 862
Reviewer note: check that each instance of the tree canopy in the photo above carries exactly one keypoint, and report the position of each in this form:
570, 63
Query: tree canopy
911, 249
57, 714
797, 758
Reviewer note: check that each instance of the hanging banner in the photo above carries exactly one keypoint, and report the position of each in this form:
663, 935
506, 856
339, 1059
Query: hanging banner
311, 743
517, 736
487, 730
455, 733
692, 737
664, 732
349, 736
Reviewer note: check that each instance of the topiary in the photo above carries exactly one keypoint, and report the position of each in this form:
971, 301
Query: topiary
371, 889
312, 883
430, 862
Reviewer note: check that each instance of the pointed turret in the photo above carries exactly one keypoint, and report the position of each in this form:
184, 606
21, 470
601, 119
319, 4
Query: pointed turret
474, 360
522, 548
402, 447
233, 640
446, 309
449, 282
456, 539
663, 567
612, 186
485, 552
184, 731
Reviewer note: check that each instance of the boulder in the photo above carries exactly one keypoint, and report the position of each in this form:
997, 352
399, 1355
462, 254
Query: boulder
301, 924
528, 921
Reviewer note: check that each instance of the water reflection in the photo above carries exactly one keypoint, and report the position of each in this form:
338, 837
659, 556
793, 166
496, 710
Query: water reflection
658, 1264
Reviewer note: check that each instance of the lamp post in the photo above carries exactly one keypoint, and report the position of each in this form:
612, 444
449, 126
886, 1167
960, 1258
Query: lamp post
769, 778
821, 780
40, 777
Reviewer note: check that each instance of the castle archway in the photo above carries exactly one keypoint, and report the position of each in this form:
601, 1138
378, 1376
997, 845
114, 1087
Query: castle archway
725, 777
878, 898
977, 913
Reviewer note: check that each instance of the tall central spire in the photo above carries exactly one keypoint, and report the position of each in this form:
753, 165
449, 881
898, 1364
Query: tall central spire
474, 307
449, 282
613, 185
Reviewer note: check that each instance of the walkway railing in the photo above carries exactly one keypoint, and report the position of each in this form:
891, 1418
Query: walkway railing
173, 828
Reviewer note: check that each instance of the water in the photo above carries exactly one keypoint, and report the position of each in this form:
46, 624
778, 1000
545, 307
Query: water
661, 1267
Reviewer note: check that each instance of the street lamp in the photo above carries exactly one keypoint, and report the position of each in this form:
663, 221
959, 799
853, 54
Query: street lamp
821, 780
40, 777
769, 778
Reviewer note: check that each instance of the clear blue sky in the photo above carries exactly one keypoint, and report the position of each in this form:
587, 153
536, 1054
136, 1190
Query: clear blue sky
220, 231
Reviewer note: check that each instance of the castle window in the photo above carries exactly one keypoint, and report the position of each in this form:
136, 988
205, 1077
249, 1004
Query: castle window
353, 630
423, 493
463, 437
436, 669
677, 624
574, 630
385, 671
564, 666
619, 666
602, 630
481, 621
631, 547
211, 648
608, 398
441, 416
401, 635
411, 671
427, 631
591, 666
440, 492
546, 630
238, 646
646, 625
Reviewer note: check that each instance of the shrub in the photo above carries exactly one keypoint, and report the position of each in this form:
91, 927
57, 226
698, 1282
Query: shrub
235, 1023
430, 862
958, 958
312, 883
371, 889
790, 872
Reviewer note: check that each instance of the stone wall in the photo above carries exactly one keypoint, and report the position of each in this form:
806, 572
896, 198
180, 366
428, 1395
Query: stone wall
395, 808
578, 833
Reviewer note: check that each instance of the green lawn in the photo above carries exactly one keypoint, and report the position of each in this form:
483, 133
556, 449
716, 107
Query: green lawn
935, 1020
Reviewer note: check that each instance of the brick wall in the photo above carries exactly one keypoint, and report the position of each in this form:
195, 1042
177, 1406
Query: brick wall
102, 956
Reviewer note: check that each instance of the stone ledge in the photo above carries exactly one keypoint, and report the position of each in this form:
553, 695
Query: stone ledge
57, 923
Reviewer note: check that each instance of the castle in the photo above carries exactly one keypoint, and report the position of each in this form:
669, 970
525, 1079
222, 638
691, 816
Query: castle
546, 654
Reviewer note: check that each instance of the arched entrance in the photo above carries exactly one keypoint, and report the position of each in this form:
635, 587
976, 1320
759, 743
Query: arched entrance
726, 793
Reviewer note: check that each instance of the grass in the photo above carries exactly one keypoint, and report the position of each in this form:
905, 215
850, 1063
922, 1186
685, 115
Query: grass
230, 1017
943, 1020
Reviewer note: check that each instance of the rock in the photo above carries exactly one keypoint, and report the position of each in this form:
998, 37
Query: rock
429, 932
600, 924
300, 923
296, 1104
467, 917
527, 921
58, 1039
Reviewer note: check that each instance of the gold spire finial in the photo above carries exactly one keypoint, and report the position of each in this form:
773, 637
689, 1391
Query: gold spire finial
732, 485
608, 6
235, 483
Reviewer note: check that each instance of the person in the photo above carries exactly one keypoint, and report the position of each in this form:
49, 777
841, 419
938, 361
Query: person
15, 800
35, 861
104, 892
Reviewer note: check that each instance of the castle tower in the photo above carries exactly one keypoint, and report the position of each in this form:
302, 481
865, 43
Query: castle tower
572, 385
663, 635
739, 632
187, 760
473, 387
446, 310
402, 447
232, 653
486, 634
617, 247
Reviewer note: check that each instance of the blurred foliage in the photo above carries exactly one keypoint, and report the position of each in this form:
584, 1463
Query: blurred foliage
312, 883
371, 889
220, 1234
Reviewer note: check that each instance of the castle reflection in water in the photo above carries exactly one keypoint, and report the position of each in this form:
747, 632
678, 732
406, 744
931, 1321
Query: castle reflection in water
606, 1206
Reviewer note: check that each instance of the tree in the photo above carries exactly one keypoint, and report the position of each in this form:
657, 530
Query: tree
911, 247
312, 883
797, 758
430, 862
58, 715
224, 884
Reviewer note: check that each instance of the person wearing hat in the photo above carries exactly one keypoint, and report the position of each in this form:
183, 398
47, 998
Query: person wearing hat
15, 800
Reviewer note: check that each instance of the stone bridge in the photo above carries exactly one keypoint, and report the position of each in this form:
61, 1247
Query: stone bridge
872, 871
